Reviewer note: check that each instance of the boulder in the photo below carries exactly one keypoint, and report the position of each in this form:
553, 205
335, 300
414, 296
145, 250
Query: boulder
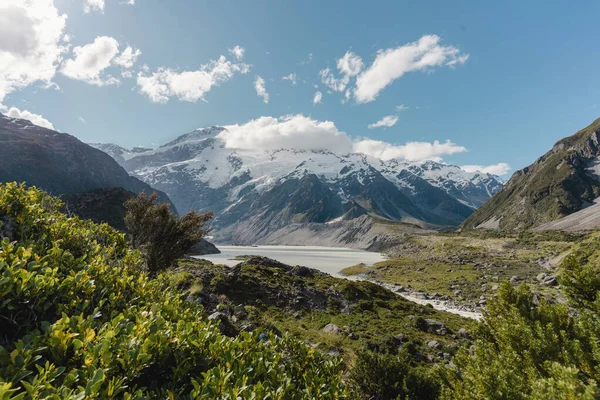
223, 323
434, 344
332, 328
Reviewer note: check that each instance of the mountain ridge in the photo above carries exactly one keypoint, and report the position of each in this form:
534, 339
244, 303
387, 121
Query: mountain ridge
60, 163
275, 188
563, 181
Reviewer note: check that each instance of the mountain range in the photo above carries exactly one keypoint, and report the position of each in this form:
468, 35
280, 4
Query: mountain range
256, 194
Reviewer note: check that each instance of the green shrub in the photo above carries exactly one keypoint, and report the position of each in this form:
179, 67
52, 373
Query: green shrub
388, 376
79, 320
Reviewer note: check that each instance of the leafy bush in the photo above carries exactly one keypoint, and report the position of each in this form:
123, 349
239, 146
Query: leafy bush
388, 376
528, 348
79, 320
162, 236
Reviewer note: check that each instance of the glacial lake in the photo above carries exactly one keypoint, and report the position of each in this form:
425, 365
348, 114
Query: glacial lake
327, 259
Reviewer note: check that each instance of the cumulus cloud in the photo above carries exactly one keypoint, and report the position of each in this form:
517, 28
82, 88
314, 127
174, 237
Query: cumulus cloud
385, 122
291, 77
91, 60
31, 43
36, 119
411, 151
93, 5
349, 65
187, 85
318, 97
495, 169
304, 133
393, 63
237, 52
261, 89
128, 57
290, 131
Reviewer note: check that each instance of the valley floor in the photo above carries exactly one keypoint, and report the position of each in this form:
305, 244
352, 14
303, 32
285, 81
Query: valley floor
463, 270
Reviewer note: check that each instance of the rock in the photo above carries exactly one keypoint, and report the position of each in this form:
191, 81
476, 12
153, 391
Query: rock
401, 338
463, 333
332, 328
447, 356
457, 293
550, 280
514, 279
299, 270
263, 337
433, 326
495, 287
352, 336
203, 247
333, 352
434, 344
541, 277
223, 323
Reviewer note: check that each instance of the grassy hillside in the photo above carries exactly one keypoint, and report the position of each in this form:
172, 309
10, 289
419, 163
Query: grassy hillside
80, 319
556, 185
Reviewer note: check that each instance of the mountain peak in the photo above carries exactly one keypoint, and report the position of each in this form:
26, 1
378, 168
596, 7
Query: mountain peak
196, 135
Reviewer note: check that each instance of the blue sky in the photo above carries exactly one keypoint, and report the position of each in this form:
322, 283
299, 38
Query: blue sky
530, 78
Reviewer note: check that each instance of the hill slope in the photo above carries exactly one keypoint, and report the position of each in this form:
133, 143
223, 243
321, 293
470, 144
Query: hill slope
59, 163
561, 182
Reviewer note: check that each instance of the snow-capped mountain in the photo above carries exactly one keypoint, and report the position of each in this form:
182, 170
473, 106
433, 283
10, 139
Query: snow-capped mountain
263, 191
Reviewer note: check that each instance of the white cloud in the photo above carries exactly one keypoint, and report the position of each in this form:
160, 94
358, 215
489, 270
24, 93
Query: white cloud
93, 5
82, 120
411, 151
401, 108
187, 85
91, 60
290, 131
37, 119
318, 97
385, 122
291, 77
261, 90
304, 133
128, 57
31, 43
237, 52
349, 65
495, 169
393, 63
130, 2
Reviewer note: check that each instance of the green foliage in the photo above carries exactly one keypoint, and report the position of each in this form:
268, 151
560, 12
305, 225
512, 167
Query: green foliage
79, 320
528, 348
387, 376
162, 236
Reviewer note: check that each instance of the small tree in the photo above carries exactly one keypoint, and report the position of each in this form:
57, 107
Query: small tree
161, 235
